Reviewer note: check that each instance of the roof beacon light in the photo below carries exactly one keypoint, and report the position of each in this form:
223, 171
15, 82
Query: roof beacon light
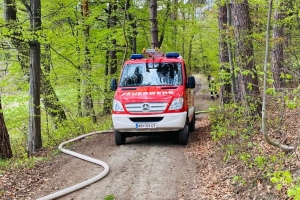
136, 56
172, 55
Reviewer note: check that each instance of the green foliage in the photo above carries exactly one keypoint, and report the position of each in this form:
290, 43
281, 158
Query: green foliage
260, 162
294, 192
229, 121
281, 178
230, 149
109, 197
20, 163
238, 179
284, 179
292, 103
73, 128
244, 156
271, 91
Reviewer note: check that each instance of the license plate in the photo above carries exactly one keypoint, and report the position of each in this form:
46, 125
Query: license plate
145, 126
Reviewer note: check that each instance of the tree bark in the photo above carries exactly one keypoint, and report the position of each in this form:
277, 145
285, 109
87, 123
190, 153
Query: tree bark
5, 148
248, 91
132, 23
88, 104
226, 92
34, 126
174, 16
278, 48
34, 129
10, 10
154, 23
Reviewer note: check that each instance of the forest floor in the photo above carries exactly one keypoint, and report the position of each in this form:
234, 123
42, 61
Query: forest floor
143, 168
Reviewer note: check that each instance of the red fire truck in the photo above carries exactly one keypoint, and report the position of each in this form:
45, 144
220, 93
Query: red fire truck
154, 94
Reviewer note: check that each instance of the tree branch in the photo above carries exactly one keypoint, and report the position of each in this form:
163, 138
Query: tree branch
264, 123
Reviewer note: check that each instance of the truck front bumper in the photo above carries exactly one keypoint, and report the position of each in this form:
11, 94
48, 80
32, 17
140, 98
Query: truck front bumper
169, 122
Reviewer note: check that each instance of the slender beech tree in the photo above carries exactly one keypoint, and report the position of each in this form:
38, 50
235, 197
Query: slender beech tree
111, 64
88, 104
34, 130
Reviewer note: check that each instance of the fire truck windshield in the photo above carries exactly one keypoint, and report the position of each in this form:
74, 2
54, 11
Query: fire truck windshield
151, 74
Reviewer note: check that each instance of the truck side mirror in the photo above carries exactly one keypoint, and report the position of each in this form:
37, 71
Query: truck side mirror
191, 82
113, 84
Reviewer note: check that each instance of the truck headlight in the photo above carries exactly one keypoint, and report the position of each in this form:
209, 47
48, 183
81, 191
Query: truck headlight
117, 106
176, 104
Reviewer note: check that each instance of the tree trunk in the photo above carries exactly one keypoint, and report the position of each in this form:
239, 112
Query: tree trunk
174, 16
5, 148
53, 106
278, 48
226, 92
10, 10
247, 76
113, 51
154, 23
34, 129
162, 35
132, 22
88, 104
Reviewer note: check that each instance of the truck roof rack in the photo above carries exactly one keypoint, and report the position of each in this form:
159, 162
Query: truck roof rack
153, 53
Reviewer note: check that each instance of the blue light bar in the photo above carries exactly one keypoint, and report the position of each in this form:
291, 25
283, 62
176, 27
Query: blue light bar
136, 56
172, 55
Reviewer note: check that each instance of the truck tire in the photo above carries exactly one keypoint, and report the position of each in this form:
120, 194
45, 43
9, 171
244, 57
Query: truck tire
184, 134
119, 137
192, 125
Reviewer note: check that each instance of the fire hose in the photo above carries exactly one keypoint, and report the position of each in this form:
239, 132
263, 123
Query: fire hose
83, 157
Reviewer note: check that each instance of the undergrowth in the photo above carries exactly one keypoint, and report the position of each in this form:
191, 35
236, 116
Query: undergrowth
239, 135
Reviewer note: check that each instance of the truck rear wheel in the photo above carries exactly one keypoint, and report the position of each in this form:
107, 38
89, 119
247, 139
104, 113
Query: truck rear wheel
184, 134
119, 137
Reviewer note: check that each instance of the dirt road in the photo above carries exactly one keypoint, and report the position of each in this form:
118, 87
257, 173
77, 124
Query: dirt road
144, 168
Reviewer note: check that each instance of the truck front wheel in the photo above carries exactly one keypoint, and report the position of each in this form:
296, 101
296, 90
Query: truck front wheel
184, 134
119, 137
